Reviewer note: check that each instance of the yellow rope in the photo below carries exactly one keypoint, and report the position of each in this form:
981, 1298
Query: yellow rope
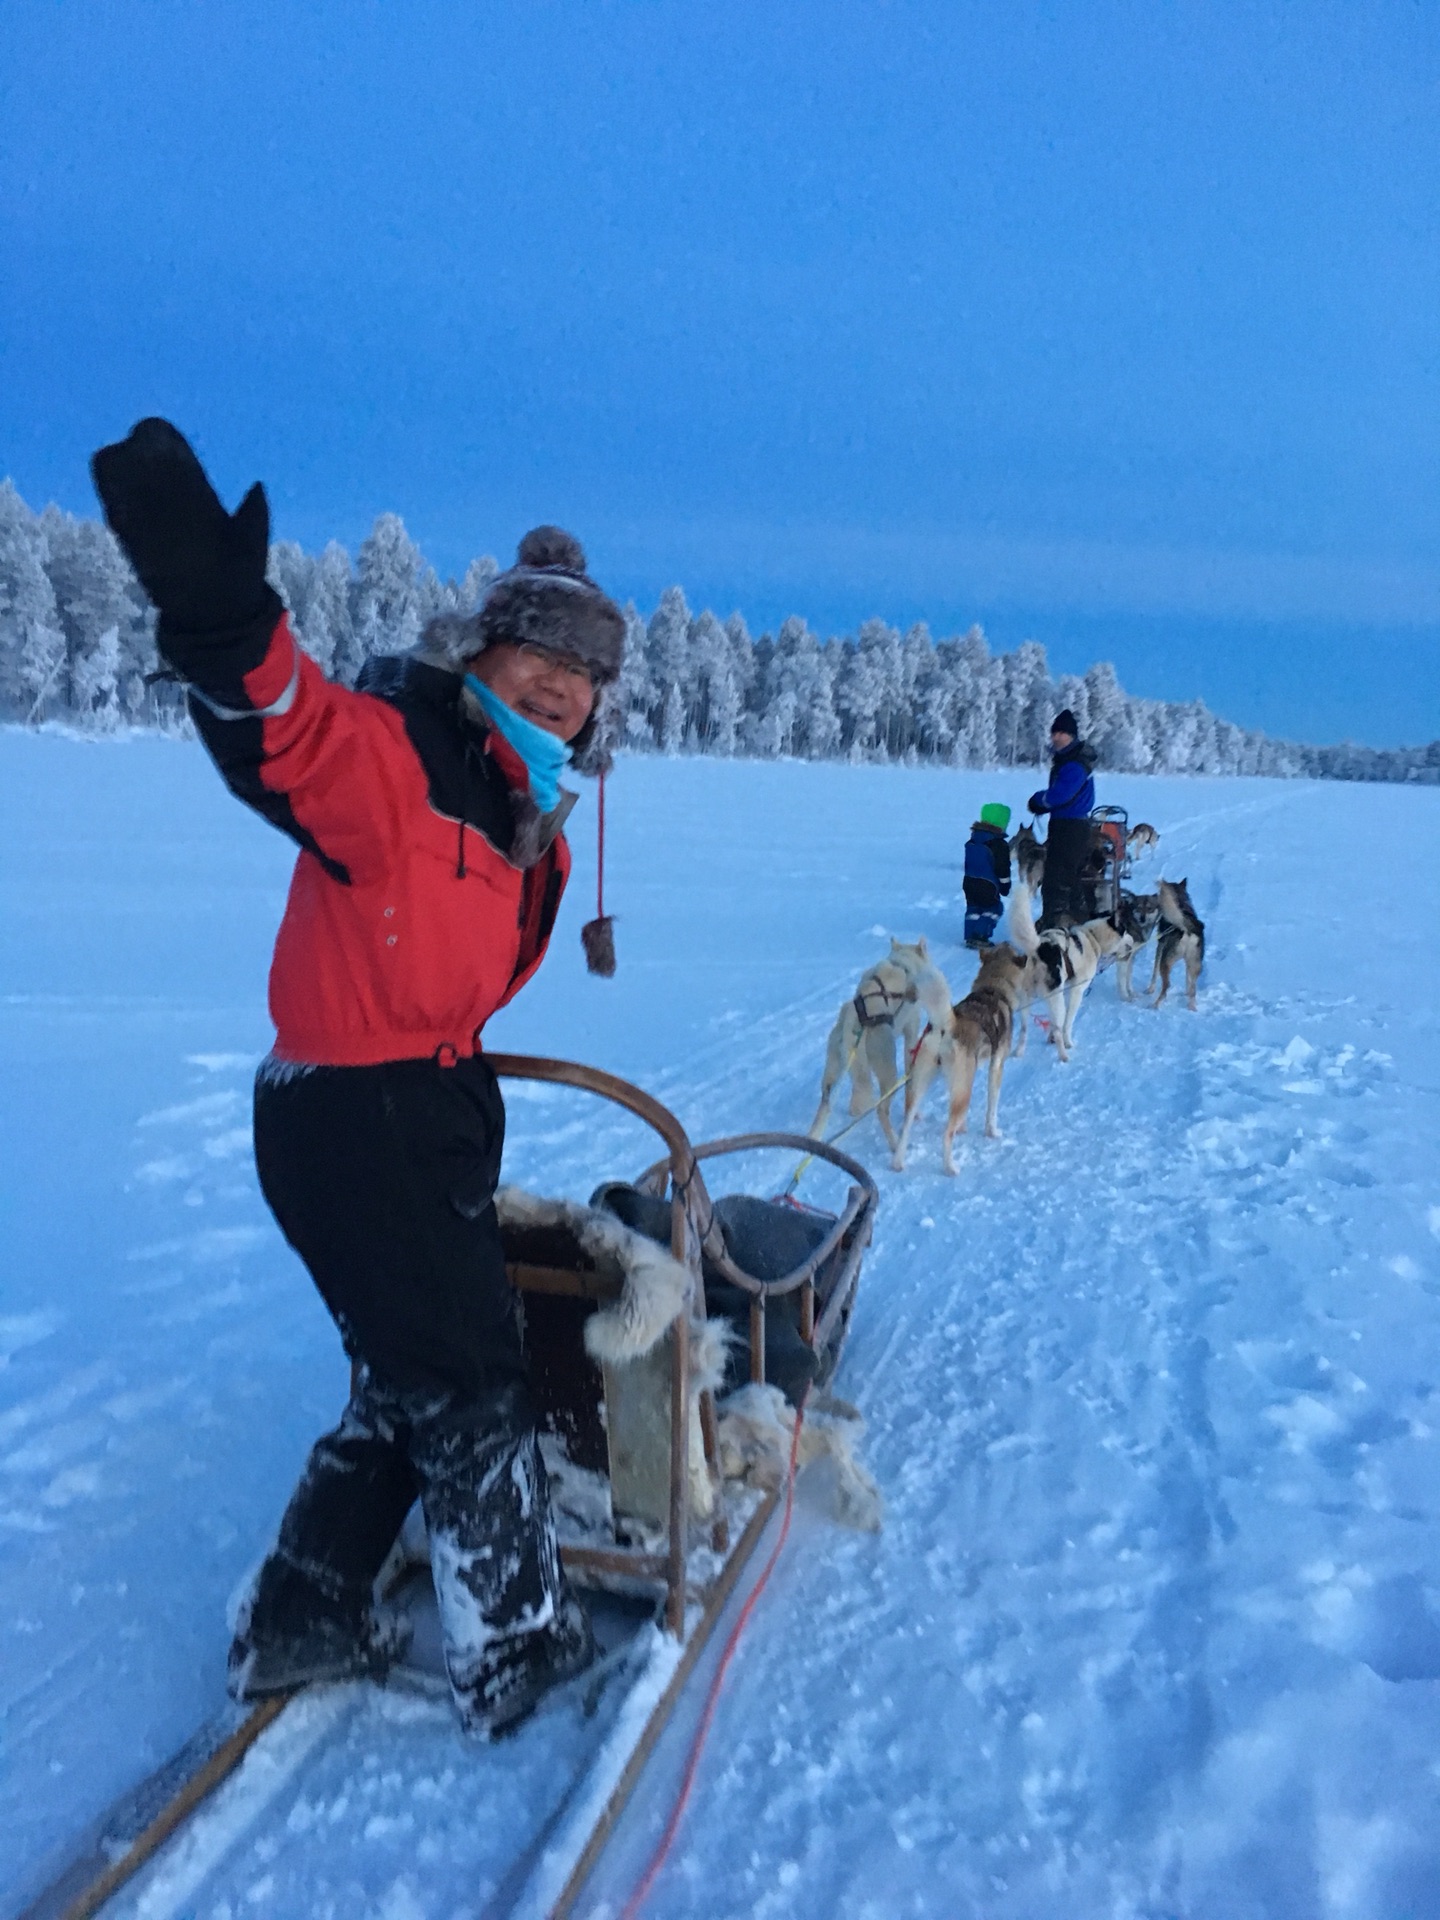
855, 1118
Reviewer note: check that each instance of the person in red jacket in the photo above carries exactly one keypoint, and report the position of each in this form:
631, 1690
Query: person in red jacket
429, 818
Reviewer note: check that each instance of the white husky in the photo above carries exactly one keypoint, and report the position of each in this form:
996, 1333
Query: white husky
893, 1001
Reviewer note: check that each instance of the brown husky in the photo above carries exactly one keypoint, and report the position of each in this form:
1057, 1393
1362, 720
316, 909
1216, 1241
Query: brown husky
1182, 937
981, 1027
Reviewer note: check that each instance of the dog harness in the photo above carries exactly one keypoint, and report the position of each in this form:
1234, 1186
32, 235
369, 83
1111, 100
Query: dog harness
890, 1002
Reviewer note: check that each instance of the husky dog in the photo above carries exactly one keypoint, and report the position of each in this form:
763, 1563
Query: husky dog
1142, 838
1070, 958
893, 999
1029, 856
980, 1027
1139, 916
1181, 938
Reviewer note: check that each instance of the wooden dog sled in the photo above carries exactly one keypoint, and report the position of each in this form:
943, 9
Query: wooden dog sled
648, 1524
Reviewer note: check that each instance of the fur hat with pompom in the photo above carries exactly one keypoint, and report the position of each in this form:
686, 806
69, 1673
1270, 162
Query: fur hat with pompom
545, 600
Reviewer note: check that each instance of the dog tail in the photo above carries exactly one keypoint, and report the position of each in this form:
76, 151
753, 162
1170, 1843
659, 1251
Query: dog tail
1176, 908
1022, 921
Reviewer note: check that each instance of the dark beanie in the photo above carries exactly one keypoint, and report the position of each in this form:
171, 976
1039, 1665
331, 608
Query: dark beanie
1064, 722
545, 600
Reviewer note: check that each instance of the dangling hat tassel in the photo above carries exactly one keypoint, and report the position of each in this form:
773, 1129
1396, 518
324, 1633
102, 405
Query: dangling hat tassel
597, 936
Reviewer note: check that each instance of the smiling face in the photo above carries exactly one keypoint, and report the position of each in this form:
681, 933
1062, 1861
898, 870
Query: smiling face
552, 690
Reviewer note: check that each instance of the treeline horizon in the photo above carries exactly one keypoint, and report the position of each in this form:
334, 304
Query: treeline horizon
77, 648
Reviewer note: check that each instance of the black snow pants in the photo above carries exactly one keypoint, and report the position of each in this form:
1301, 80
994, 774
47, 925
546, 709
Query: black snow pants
383, 1180
1067, 845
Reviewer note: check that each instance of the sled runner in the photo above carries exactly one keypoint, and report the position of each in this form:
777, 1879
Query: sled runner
639, 1311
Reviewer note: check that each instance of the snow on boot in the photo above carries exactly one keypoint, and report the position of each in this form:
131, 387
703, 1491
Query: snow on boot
518, 1670
326, 1650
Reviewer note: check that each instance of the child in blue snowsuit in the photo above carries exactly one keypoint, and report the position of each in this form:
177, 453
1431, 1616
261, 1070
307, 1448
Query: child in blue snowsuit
987, 874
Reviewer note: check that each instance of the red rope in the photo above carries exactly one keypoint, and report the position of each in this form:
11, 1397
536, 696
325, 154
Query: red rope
600, 858
692, 1766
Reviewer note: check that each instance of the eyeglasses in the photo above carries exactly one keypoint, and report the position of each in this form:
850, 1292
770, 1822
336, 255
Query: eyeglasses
542, 659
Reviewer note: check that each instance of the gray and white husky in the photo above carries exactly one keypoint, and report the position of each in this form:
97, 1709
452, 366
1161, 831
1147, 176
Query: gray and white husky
1070, 958
1138, 915
893, 1001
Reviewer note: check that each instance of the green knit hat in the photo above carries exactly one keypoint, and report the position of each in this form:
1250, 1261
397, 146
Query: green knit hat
994, 815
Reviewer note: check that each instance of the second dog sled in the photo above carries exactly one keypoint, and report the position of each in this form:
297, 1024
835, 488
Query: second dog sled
639, 1310
1107, 866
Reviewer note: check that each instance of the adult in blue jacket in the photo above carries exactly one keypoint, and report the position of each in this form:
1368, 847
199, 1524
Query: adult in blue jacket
1069, 800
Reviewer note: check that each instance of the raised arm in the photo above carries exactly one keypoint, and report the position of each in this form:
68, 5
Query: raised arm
323, 764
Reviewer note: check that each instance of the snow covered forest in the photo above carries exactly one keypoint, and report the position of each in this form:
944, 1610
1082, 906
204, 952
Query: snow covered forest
77, 647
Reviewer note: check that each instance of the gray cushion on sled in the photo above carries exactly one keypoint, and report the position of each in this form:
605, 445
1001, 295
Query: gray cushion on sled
768, 1240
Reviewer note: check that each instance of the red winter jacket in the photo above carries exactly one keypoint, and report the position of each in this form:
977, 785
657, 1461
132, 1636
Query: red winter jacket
426, 886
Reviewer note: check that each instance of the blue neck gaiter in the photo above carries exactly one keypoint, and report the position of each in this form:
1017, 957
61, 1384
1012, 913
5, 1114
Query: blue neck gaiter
545, 755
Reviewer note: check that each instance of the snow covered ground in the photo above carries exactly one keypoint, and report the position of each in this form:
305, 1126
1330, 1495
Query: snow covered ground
1153, 1385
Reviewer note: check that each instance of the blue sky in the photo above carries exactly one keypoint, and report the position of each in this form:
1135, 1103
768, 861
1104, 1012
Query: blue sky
1117, 326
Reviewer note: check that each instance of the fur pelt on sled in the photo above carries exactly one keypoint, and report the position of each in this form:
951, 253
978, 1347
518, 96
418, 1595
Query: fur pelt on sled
756, 1424
757, 1430
655, 1287
655, 1284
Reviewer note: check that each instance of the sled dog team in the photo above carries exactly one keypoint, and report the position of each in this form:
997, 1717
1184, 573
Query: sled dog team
1056, 964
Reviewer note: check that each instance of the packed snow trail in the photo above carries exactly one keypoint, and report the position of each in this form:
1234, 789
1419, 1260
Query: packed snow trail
1152, 1629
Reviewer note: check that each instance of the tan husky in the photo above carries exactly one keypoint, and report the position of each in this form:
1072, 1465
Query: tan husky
980, 1028
893, 1001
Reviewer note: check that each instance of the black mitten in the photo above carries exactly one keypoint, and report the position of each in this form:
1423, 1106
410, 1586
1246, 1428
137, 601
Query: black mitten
203, 567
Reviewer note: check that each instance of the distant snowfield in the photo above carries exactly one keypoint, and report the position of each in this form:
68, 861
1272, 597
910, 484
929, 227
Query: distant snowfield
1153, 1385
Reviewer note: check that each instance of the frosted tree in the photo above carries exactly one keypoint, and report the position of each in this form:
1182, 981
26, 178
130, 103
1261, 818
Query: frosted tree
1071, 691
96, 592
918, 668
395, 591
96, 693
795, 688
868, 689
720, 699
1027, 706
291, 571
667, 645
1105, 714
330, 634
636, 696
478, 577
33, 654
936, 703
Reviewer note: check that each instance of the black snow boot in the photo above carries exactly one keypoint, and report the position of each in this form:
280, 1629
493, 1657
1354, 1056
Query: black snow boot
517, 1671
292, 1634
